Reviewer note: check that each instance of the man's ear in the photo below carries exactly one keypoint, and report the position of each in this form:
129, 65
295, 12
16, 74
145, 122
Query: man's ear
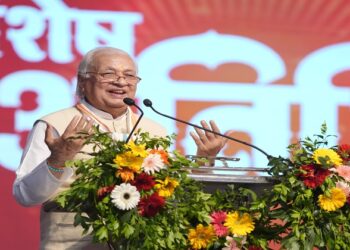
81, 78
80, 86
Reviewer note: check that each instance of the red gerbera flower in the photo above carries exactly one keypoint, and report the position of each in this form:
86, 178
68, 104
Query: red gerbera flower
314, 176
344, 151
144, 182
103, 191
218, 220
149, 206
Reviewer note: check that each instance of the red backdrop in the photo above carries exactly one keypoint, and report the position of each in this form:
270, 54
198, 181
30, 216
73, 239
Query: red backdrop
34, 41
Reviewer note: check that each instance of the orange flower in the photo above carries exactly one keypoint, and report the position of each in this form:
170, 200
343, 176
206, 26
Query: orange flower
126, 174
201, 237
163, 154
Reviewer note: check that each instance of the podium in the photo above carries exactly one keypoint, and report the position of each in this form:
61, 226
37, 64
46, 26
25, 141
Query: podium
214, 178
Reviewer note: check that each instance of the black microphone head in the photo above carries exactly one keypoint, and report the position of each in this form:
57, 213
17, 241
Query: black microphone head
128, 101
147, 102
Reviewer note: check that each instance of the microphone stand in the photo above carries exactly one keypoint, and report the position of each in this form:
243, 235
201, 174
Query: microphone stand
148, 103
130, 102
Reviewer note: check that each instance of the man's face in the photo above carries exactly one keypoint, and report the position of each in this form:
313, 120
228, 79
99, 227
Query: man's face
108, 96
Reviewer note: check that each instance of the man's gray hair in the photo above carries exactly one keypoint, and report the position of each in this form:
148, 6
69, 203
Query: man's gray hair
87, 61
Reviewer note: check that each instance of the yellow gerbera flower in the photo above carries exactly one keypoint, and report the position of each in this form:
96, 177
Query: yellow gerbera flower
239, 224
201, 237
335, 200
166, 188
138, 150
329, 155
130, 160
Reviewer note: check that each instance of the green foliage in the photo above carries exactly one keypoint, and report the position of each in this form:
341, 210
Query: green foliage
288, 214
127, 229
304, 223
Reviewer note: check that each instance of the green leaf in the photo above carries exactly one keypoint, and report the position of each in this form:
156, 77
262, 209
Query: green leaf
102, 233
128, 230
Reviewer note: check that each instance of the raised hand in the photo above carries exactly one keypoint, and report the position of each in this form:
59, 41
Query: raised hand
64, 147
208, 144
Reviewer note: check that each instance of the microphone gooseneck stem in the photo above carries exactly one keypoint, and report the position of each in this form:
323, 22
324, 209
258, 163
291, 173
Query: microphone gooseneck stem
130, 102
149, 104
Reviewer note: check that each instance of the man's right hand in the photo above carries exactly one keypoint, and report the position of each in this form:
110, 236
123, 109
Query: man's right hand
64, 147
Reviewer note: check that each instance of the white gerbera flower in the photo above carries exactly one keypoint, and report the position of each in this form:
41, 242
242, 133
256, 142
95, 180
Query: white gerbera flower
152, 163
125, 196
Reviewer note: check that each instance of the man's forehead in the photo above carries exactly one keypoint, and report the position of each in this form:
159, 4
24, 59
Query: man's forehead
107, 60
110, 54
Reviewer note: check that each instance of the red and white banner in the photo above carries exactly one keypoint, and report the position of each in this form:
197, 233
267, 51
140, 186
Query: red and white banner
269, 72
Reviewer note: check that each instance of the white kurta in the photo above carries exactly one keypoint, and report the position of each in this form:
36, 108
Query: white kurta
35, 184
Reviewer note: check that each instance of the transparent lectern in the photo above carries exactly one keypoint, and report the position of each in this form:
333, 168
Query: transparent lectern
221, 174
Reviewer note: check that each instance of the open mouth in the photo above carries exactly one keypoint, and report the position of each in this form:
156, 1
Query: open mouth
117, 93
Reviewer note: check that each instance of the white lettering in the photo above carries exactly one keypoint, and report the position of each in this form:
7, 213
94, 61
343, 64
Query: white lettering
2, 13
267, 121
313, 82
121, 34
59, 19
11, 88
199, 49
59, 30
23, 39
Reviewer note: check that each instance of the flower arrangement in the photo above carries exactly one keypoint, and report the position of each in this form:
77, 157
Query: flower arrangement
311, 196
235, 222
307, 207
135, 195
138, 195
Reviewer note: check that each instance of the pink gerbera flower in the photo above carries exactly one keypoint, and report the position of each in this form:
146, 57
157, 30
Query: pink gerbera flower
218, 219
152, 163
343, 171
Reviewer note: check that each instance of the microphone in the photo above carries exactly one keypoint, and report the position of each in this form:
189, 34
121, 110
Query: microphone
148, 103
130, 102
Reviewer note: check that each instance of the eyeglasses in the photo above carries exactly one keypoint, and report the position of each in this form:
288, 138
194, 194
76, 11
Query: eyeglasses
106, 77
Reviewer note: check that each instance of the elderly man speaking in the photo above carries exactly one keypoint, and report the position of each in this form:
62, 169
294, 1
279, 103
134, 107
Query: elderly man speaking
105, 77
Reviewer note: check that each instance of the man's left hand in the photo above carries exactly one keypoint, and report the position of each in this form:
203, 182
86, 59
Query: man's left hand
208, 144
